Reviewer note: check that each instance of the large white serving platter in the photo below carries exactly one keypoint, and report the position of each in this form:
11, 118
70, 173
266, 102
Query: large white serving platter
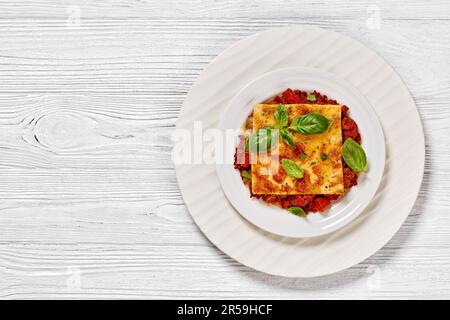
349, 60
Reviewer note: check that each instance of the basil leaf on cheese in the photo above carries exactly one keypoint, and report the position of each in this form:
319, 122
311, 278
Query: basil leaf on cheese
323, 156
354, 155
287, 137
310, 123
292, 168
281, 116
297, 211
262, 139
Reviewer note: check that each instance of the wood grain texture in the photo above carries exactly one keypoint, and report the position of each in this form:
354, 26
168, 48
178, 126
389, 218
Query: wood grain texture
89, 205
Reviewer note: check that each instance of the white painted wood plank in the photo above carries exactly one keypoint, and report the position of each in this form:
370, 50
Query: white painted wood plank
250, 9
86, 183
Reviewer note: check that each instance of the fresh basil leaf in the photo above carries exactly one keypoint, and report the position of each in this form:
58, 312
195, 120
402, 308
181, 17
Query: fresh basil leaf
297, 211
323, 156
287, 137
311, 97
354, 155
310, 123
303, 156
292, 168
262, 139
247, 175
281, 116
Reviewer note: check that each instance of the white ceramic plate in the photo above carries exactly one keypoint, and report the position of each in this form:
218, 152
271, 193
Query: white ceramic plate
348, 59
343, 211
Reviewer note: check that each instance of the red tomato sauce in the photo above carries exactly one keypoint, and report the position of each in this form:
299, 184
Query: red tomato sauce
309, 203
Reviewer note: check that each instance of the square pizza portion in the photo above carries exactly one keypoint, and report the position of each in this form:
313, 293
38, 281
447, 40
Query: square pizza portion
319, 155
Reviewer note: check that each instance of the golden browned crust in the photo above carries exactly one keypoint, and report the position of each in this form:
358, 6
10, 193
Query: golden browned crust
320, 176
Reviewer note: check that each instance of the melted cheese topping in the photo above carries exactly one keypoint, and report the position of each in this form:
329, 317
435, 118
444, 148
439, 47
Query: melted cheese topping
320, 176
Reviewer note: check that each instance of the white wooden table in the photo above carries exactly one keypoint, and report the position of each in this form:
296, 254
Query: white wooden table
89, 95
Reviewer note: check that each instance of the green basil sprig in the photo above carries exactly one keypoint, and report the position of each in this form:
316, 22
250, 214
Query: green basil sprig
281, 116
292, 168
287, 137
297, 211
310, 123
354, 155
262, 139
311, 97
307, 124
246, 175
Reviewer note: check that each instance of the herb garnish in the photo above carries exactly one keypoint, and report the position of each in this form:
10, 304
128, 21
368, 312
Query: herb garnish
311, 97
261, 140
292, 168
246, 175
297, 211
311, 123
307, 124
354, 155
